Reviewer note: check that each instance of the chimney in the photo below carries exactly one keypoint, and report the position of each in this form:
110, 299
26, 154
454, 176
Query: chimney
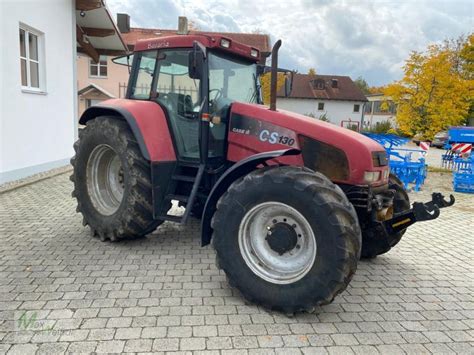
334, 83
183, 25
123, 23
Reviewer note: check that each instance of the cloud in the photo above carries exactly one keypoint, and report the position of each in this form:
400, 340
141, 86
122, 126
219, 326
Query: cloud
367, 38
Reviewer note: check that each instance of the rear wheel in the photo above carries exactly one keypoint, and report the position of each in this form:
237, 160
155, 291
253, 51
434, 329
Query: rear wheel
287, 238
112, 181
372, 245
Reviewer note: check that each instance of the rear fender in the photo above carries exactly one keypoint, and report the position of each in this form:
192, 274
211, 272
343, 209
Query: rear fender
148, 123
238, 170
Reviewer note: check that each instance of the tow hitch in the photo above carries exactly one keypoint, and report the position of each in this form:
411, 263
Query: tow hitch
419, 212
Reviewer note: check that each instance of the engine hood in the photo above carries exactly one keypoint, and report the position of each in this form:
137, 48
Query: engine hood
357, 147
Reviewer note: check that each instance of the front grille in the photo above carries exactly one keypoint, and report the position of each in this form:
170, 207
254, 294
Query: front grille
324, 158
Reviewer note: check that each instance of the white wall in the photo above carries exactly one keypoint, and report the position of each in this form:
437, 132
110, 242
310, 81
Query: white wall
336, 111
37, 130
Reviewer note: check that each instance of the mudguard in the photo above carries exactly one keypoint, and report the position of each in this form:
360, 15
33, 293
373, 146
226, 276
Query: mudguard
238, 170
147, 120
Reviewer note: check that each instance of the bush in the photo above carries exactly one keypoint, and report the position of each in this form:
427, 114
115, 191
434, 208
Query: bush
381, 127
323, 117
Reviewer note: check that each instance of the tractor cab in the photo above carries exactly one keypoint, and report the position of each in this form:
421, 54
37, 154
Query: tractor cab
193, 81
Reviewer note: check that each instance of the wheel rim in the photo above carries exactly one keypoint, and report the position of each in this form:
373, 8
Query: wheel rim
105, 179
268, 246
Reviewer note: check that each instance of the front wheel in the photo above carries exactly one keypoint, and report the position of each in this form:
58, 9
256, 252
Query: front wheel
287, 238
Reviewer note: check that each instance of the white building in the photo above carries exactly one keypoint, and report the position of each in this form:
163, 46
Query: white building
38, 94
335, 98
379, 109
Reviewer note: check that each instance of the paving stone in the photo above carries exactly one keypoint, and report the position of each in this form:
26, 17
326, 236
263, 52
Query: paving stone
165, 344
164, 293
101, 334
128, 333
110, 346
270, 341
82, 347
138, 345
154, 332
53, 348
192, 344
221, 342
21, 349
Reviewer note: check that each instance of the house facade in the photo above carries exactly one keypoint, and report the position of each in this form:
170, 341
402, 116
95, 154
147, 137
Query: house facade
330, 97
109, 80
38, 95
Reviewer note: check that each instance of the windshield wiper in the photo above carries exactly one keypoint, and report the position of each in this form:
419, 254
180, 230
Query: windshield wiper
255, 95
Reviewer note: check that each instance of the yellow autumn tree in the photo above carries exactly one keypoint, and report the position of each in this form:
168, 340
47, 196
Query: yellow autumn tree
265, 82
432, 95
312, 72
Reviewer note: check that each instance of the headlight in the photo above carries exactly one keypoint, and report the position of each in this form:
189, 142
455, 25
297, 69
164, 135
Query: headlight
254, 53
385, 174
371, 176
225, 43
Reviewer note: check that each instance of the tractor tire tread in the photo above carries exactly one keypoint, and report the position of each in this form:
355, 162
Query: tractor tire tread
344, 219
137, 216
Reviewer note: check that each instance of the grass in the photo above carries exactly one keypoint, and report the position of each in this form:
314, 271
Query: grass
434, 169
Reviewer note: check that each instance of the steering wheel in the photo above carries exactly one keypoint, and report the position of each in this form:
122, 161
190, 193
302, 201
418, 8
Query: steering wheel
218, 95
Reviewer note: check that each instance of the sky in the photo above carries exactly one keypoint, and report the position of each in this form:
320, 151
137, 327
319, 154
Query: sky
371, 39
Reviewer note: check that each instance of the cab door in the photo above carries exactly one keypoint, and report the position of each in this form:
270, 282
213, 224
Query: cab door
179, 94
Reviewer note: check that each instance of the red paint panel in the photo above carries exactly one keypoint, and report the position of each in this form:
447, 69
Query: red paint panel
358, 148
152, 123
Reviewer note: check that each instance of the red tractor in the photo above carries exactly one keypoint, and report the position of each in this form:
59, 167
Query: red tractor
290, 203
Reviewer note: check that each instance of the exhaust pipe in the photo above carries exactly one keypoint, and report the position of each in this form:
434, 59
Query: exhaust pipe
274, 75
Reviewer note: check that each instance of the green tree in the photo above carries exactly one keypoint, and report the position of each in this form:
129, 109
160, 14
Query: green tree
362, 85
434, 93
312, 71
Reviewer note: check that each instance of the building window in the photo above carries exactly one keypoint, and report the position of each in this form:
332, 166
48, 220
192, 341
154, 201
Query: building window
368, 107
31, 59
98, 70
320, 106
356, 108
92, 102
318, 84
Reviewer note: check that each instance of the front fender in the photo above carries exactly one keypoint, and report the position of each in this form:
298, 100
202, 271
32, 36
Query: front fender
238, 170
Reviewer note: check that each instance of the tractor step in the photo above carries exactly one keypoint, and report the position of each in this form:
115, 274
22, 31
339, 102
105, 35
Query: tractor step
180, 198
186, 178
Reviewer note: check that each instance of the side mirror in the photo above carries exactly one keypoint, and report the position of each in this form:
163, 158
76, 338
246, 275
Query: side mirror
196, 61
288, 83
124, 60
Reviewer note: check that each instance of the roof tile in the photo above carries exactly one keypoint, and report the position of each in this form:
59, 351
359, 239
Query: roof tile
306, 86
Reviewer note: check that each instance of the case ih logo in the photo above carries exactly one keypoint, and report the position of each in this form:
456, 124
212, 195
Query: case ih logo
264, 131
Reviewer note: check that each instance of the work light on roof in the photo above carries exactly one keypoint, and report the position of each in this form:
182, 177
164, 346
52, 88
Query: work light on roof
254, 53
225, 43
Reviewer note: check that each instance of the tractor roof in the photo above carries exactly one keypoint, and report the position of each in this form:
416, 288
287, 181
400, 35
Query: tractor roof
210, 41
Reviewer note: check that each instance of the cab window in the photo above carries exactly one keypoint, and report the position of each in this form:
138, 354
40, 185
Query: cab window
141, 86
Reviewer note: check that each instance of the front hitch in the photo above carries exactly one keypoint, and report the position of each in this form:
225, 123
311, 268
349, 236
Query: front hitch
418, 213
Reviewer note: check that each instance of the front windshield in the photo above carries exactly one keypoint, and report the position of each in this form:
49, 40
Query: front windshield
230, 80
